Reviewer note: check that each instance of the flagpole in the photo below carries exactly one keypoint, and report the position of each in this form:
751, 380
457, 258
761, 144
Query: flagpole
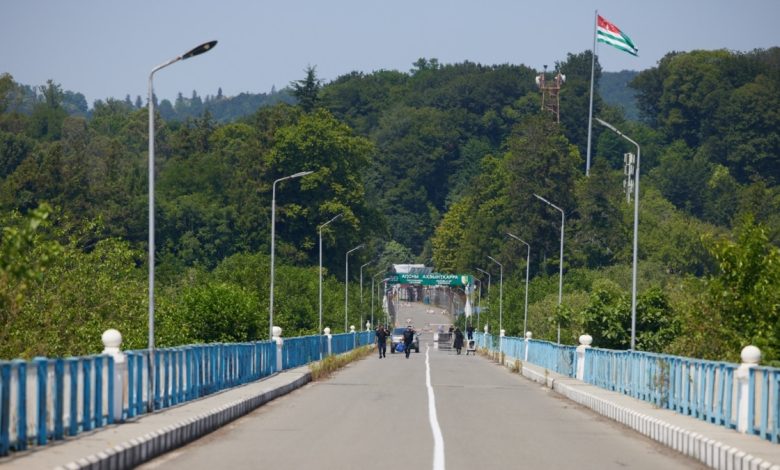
590, 108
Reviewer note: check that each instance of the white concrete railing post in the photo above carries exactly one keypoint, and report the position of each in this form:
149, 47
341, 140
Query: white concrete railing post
277, 338
354, 336
501, 335
112, 340
528, 336
368, 325
750, 355
484, 338
330, 337
585, 341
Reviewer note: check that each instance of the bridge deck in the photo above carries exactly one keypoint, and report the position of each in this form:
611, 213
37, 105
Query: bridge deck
376, 413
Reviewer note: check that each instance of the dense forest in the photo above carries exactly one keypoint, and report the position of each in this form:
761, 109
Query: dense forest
438, 163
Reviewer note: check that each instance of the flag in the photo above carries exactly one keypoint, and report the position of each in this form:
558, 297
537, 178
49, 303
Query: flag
610, 34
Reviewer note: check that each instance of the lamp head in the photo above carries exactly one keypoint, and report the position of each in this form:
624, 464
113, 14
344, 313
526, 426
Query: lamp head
205, 47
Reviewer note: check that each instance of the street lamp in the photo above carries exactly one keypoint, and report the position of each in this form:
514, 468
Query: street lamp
273, 247
488, 290
636, 230
479, 299
500, 295
361, 290
205, 47
319, 230
560, 269
372, 295
488, 275
346, 284
527, 267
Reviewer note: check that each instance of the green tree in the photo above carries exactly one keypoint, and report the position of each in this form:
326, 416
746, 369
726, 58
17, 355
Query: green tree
307, 90
219, 312
338, 158
48, 114
744, 292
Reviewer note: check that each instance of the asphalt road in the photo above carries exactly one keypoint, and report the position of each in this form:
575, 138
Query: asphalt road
375, 414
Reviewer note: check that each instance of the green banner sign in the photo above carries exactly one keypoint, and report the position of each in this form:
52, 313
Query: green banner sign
433, 279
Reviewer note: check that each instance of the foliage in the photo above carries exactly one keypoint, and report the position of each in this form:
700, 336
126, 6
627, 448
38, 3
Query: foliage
744, 292
24, 258
220, 312
307, 91
614, 90
438, 162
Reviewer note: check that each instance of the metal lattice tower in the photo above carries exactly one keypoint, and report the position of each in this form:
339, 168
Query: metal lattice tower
550, 92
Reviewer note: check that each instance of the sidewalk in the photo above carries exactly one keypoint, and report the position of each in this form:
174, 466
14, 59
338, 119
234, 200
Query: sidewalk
713, 445
131, 443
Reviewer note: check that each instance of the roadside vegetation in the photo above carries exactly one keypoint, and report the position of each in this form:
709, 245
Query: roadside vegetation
439, 163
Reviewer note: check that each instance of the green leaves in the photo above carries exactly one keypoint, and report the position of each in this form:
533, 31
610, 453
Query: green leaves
220, 312
745, 290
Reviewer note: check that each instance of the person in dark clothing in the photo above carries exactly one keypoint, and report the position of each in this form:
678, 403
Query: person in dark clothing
408, 340
470, 332
458, 343
381, 341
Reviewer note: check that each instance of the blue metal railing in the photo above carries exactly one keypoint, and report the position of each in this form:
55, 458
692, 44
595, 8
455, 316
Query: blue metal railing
707, 390
558, 358
49, 399
303, 350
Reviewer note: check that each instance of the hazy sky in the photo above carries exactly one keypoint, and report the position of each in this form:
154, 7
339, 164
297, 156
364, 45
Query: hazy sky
106, 48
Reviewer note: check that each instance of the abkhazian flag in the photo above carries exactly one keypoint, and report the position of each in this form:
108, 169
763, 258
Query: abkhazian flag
610, 34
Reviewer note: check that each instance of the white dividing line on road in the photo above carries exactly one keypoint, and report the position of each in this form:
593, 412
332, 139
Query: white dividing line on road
438, 440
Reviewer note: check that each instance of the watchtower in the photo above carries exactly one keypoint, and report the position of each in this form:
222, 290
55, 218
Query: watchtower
550, 89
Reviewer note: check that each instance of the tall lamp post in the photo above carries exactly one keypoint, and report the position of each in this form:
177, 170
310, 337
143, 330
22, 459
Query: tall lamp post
205, 47
527, 267
319, 230
560, 269
361, 291
500, 295
488, 289
372, 295
479, 298
346, 285
636, 229
273, 247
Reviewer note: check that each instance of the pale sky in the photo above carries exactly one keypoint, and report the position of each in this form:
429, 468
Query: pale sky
106, 48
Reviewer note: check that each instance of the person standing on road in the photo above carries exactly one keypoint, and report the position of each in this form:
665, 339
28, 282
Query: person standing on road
458, 343
381, 341
470, 332
408, 340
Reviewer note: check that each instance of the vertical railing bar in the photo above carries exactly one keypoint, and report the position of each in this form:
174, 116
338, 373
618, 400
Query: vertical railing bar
110, 398
139, 382
765, 389
86, 398
41, 432
5, 408
21, 413
130, 384
59, 398
752, 402
73, 372
99, 391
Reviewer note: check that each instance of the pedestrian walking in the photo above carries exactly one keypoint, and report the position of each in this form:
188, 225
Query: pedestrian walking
381, 341
408, 340
458, 343
470, 332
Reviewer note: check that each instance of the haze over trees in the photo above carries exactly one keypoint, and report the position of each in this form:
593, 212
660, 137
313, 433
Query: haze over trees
438, 162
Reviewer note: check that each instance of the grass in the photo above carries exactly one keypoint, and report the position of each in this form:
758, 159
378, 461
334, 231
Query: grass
321, 370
